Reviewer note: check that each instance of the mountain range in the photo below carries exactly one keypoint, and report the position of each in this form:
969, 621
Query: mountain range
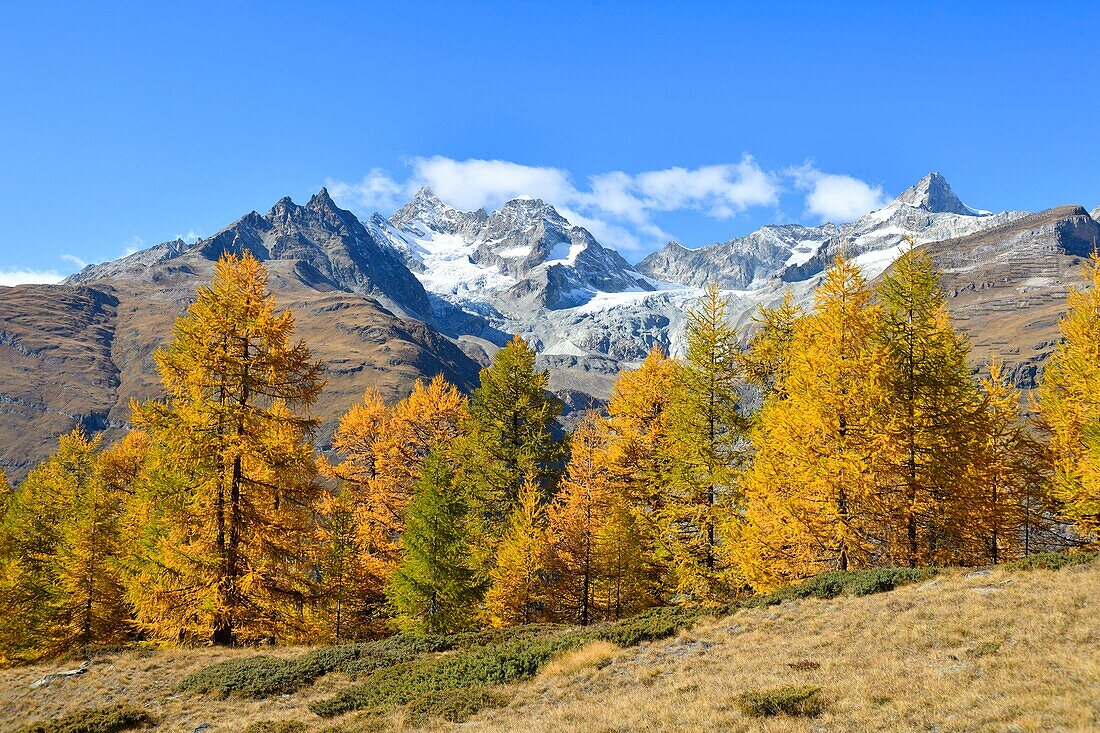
433, 289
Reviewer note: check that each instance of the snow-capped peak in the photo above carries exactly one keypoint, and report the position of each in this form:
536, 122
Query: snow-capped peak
933, 193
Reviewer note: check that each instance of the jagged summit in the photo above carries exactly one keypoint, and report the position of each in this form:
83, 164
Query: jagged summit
524, 252
933, 193
319, 244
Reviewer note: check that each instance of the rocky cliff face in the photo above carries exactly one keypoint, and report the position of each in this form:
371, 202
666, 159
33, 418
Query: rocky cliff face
320, 245
526, 255
1007, 285
738, 263
929, 211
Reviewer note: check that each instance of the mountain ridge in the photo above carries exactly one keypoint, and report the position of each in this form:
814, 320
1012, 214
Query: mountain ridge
432, 289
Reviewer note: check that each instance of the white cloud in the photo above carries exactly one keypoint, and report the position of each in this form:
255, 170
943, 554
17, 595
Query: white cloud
837, 197
136, 244
619, 208
191, 237
9, 278
473, 184
719, 191
75, 260
376, 192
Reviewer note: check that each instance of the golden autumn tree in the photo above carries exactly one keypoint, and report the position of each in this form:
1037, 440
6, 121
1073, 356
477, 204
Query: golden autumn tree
765, 362
232, 494
577, 520
1069, 407
931, 417
705, 436
60, 572
598, 568
1009, 510
639, 424
811, 492
382, 450
517, 591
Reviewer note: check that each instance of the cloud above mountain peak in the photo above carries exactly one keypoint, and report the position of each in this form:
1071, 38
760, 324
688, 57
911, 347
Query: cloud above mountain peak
621, 209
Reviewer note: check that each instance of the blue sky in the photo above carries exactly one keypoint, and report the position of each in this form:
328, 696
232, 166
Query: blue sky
124, 125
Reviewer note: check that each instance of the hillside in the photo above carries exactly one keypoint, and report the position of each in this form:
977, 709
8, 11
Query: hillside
990, 649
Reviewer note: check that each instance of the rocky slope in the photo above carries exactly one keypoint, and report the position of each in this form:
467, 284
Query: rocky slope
73, 354
525, 255
1007, 285
321, 246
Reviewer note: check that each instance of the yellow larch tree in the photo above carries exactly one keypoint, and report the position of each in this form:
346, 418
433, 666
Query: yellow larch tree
1009, 508
382, 450
765, 362
706, 432
518, 592
811, 492
1069, 407
639, 423
233, 493
933, 406
60, 570
577, 522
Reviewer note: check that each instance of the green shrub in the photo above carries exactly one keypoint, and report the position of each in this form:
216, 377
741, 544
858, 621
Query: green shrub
1053, 560
855, 583
651, 625
800, 701
454, 706
264, 676
495, 664
277, 726
250, 677
510, 656
95, 720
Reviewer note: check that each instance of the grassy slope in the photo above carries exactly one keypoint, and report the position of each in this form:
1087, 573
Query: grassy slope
993, 650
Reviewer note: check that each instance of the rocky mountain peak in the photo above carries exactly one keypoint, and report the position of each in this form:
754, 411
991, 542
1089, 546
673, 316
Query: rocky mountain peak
933, 193
321, 201
426, 212
1096, 214
529, 210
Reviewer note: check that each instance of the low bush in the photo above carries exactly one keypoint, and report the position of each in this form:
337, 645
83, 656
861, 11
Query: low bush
249, 677
277, 726
855, 583
797, 701
263, 676
516, 654
454, 706
495, 664
95, 720
651, 625
1053, 560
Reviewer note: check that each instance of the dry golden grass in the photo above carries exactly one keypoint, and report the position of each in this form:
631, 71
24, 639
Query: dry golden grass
986, 651
593, 654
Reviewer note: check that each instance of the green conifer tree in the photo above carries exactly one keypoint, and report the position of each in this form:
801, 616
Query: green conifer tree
435, 589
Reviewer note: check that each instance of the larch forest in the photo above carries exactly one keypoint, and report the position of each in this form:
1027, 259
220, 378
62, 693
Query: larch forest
852, 435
